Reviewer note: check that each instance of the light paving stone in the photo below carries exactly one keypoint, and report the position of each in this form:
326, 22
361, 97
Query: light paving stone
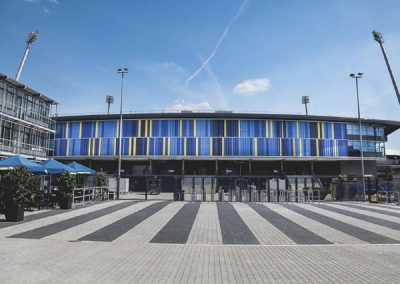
366, 212
388, 208
390, 233
146, 230
84, 229
206, 228
23, 227
264, 231
324, 231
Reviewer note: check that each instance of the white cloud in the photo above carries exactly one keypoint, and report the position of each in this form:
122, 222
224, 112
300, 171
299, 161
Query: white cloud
203, 106
53, 1
46, 10
252, 86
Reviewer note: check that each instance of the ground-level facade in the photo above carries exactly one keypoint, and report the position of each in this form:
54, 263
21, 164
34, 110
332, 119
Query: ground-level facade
208, 148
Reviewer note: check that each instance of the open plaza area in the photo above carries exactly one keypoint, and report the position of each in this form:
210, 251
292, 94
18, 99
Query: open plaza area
159, 241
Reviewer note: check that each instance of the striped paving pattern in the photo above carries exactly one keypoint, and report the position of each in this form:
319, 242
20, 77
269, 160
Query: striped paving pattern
210, 223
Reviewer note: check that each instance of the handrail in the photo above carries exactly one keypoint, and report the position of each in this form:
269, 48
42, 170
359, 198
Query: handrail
91, 194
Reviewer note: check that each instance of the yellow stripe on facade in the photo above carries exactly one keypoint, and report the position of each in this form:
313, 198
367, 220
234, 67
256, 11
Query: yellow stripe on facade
271, 129
194, 128
169, 146
180, 128
134, 146
96, 129
282, 129
280, 146
163, 146
117, 133
130, 146
317, 146
294, 147
319, 130
223, 146
139, 127
333, 130
298, 129
147, 145
224, 127
184, 146
239, 128
255, 147
335, 148
115, 146
89, 148
67, 148
93, 146
80, 129
197, 146
323, 129
211, 147
145, 128
151, 128
66, 130
266, 128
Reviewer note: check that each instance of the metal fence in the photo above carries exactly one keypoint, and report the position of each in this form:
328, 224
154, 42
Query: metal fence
92, 194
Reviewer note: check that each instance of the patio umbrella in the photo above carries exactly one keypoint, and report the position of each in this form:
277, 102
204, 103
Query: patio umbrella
55, 167
81, 169
17, 160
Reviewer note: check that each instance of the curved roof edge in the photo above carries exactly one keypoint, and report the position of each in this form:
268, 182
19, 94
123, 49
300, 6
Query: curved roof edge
389, 125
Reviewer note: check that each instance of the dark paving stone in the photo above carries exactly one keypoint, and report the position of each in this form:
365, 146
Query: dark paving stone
359, 233
295, 232
233, 229
373, 209
37, 216
120, 227
51, 229
374, 220
177, 230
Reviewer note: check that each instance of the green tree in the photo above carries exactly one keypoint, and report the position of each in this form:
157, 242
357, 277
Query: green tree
18, 185
66, 185
101, 178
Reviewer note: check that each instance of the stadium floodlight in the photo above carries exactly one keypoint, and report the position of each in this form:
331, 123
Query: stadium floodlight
109, 101
305, 100
121, 71
378, 37
31, 38
358, 76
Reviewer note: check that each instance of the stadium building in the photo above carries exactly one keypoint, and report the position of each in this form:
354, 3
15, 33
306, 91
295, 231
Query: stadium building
209, 150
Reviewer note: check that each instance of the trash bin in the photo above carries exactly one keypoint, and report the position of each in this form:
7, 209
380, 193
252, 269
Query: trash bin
182, 196
111, 195
176, 196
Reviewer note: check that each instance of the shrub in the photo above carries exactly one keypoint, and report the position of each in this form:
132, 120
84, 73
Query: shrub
18, 185
101, 178
66, 185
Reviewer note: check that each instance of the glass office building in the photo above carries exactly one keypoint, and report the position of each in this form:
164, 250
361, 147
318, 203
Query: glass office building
25, 122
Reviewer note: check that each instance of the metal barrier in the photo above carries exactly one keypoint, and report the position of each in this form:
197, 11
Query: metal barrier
91, 194
389, 196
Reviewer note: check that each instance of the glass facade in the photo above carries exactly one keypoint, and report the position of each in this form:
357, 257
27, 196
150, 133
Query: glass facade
216, 138
25, 123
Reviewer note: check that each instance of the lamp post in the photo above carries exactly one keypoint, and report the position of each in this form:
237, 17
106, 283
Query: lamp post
378, 37
122, 71
305, 100
31, 38
358, 76
109, 101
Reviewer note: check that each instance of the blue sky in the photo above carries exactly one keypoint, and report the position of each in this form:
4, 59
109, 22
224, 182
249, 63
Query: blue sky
254, 55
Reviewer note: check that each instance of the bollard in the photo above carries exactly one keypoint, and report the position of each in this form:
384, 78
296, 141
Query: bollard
221, 194
212, 194
204, 195
193, 194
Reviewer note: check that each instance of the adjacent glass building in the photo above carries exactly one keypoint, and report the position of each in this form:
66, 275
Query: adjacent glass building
25, 123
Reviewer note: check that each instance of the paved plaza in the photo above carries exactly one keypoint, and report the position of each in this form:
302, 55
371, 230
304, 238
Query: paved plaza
160, 241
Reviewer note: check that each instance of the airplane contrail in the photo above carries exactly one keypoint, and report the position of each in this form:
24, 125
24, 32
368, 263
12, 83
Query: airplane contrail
237, 15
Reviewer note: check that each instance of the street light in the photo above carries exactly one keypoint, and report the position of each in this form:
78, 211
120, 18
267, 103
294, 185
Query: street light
31, 38
358, 76
305, 100
109, 101
122, 71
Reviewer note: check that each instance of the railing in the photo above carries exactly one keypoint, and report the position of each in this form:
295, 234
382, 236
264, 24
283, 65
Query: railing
15, 147
92, 194
387, 196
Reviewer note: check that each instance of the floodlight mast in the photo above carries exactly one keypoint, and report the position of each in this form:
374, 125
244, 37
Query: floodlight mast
109, 101
31, 38
305, 100
378, 37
